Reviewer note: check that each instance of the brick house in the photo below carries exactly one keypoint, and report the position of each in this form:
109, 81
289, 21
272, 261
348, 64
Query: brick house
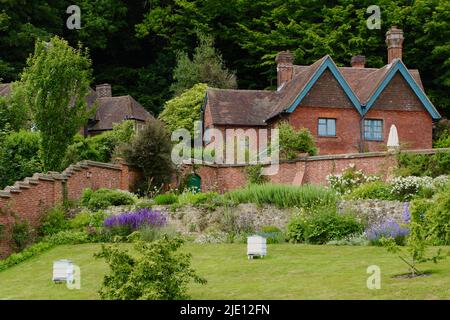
109, 110
347, 109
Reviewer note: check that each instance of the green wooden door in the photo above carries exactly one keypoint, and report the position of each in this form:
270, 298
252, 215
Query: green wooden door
194, 183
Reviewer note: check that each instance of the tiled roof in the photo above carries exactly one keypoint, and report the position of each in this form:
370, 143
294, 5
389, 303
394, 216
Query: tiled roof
111, 110
253, 107
241, 107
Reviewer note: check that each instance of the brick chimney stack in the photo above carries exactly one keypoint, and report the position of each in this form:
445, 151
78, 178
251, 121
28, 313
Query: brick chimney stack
394, 41
103, 90
358, 61
285, 67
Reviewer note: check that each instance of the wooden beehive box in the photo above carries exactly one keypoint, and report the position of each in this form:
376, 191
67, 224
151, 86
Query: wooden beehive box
62, 270
256, 246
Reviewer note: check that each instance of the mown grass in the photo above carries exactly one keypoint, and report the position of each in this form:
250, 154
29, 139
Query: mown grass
284, 196
288, 272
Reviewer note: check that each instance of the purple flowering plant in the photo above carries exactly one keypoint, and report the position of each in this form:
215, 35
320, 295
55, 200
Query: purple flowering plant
128, 222
388, 229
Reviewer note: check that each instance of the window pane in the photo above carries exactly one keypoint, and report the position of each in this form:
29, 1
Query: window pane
331, 127
322, 121
322, 130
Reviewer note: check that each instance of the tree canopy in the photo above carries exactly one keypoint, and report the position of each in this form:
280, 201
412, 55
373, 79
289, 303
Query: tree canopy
134, 44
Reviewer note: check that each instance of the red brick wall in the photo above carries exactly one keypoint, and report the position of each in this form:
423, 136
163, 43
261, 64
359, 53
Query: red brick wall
29, 201
347, 127
312, 170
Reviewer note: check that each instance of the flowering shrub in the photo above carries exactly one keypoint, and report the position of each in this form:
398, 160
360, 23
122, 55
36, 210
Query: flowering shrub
349, 179
126, 223
388, 229
406, 187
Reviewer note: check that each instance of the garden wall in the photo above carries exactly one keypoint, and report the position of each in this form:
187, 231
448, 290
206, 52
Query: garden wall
30, 198
313, 170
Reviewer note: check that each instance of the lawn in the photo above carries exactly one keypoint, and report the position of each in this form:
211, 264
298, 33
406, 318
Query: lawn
288, 272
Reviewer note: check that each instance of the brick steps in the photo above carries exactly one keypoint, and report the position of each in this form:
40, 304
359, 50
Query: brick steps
30, 182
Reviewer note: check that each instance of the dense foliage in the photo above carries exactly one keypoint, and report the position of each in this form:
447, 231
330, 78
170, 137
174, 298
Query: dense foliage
55, 83
100, 147
19, 156
158, 272
411, 164
293, 142
150, 150
103, 198
322, 226
180, 112
283, 196
134, 43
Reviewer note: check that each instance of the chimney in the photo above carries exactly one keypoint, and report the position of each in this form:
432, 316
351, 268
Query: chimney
394, 41
285, 67
358, 61
103, 90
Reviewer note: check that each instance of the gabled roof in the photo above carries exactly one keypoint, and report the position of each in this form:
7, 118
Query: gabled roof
112, 110
361, 85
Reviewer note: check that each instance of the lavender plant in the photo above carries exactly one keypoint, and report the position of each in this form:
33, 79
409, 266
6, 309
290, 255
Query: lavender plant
388, 229
125, 223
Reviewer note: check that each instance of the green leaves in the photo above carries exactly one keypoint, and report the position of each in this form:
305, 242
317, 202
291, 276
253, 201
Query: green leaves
54, 86
157, 272
182, 111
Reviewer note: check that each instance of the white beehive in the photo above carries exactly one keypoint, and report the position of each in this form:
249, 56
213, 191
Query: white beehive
62, 270
256, 246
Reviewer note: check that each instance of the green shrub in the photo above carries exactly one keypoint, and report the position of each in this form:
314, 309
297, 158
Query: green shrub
349, 179
372, 190
284, 196
435, 215
150, 233
157, 272
28, 253
165, 199
293, 142
99, 147
21, 234
254, 174
53, 221
150, 150
322, 227
88, 219
69, 237
411, 164
103, 198
196, 199
272, 234
19, 156
86, 196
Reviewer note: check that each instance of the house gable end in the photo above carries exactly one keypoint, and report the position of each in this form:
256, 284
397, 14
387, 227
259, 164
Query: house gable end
398, 67
327, 92
327, 65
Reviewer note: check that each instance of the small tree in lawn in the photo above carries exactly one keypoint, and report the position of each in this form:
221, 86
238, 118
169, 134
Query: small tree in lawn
151, 151
415, 251
157, 272
55, 83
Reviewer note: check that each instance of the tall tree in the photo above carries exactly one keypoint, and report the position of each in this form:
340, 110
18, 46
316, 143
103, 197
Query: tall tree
55, 84
206, 66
